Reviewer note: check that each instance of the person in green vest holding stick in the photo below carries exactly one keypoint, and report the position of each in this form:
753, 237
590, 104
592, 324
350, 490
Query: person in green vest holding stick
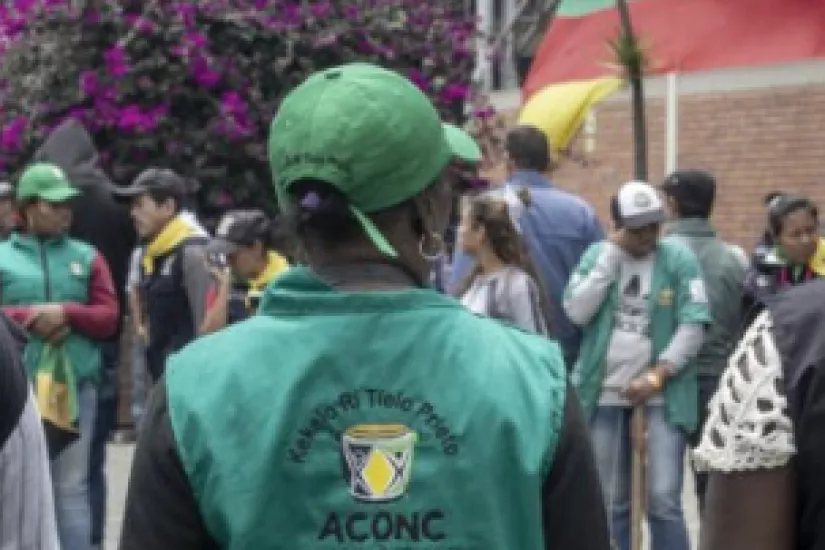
642, 303
358, 408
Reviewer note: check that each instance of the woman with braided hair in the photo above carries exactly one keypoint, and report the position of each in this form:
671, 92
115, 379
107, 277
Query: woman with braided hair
504, 283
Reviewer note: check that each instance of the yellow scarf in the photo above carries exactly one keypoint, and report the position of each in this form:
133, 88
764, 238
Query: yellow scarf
175, 232
817, 261
275, 263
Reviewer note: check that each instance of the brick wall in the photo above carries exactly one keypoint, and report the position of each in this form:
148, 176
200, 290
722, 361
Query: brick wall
753, 141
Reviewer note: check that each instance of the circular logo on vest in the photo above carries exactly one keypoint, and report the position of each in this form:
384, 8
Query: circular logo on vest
379, 460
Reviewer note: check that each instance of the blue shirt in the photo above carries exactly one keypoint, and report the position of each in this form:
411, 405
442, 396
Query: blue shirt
557, 228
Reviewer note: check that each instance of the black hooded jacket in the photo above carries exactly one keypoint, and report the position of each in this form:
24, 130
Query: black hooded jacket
98, 218
798, 320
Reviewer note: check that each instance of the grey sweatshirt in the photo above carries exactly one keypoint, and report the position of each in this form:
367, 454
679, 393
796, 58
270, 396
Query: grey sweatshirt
509, 294
630, 350
27, 514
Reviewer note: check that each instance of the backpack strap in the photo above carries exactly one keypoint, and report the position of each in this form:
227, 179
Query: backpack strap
177, 267
495, 306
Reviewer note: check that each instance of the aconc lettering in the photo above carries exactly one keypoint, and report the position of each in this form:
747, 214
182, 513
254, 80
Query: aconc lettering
383, 526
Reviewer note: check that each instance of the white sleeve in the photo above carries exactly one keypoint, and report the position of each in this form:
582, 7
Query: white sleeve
748, 427
587, 294
133, 277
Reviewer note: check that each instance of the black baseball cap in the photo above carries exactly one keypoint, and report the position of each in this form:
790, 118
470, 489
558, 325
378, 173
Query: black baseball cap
153, 179
691, 187
238, 228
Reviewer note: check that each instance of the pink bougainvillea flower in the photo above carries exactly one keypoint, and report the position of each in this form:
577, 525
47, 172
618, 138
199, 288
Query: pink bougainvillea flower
455, 92
419, 79
196, 39
11, 137
88, 82
116, 61
129, 117
153, 79
203, 73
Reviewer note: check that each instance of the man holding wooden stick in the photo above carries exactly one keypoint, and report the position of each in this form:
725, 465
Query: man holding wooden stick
643, 307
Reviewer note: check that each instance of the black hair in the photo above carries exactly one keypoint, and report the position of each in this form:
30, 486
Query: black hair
786, 205
271, 233
321, 212
528, 148
692, 206
163, 184
161, 195
279, 237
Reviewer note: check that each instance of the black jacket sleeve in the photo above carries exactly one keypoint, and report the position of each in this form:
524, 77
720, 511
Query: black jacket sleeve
572, 502
809, 460
161, 511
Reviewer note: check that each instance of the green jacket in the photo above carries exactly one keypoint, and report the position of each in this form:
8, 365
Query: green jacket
678, 297
56, 271
724, 270
344, 419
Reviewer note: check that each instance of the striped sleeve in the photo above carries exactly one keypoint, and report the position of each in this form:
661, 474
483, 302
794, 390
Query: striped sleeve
27, 519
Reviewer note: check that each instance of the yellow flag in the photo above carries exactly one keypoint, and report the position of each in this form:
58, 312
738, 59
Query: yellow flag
560, 109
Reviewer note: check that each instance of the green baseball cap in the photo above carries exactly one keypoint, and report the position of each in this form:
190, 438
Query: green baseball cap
365, 130
47, 181
463, 145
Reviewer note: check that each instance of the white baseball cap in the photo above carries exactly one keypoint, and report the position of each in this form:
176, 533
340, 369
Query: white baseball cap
639, 204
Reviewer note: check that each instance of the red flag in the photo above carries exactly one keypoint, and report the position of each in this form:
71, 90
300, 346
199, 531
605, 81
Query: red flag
683, 36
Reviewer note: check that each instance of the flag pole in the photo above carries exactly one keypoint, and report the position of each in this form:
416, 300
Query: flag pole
671, 123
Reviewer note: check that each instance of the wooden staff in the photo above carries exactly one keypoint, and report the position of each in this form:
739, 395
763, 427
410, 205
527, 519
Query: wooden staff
638, 495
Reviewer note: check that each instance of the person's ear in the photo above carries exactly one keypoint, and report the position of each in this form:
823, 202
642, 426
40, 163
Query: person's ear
169, 207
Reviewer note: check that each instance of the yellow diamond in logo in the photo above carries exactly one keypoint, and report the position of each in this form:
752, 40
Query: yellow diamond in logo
378, 472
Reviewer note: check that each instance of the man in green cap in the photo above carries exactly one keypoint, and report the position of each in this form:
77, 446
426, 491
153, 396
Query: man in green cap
61, 291
359, 408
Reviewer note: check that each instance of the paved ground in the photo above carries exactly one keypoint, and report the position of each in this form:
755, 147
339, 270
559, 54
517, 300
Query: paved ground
120, 458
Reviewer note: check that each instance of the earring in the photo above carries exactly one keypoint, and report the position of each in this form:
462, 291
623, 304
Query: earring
432, 247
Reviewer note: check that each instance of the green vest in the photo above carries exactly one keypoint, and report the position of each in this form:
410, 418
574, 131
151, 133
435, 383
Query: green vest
372, 420
51, 271
677, 297
724, 275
